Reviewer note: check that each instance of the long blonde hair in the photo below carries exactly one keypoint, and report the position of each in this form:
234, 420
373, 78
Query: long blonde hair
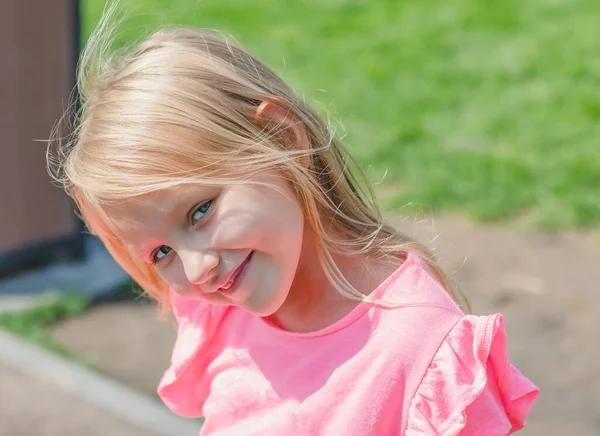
179, 108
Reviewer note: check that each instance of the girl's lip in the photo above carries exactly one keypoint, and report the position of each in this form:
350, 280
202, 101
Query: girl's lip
235, 283
233, 275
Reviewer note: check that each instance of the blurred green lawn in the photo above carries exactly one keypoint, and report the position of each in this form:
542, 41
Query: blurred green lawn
487, 108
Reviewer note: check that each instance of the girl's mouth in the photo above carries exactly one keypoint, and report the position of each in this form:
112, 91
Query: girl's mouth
231, 286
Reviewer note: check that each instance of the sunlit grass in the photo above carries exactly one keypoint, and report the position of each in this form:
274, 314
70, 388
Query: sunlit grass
486, 108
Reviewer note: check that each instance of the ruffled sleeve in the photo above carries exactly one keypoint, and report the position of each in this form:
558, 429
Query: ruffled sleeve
470, 387
182, 387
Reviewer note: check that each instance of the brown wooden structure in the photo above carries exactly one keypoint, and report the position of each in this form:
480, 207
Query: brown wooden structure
38, 50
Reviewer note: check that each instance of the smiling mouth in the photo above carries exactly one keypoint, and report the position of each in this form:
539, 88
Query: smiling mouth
236, 273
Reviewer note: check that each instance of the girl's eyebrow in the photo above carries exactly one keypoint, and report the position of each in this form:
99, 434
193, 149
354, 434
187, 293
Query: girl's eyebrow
181, 208
170, 209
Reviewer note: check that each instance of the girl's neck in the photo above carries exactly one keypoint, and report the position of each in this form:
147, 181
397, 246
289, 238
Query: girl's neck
313, 303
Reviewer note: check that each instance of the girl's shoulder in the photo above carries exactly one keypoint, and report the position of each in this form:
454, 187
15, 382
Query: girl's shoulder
466, 384
413, 284
470, 386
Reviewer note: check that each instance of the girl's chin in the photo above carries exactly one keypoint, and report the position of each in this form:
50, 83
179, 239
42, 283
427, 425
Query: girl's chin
266, 310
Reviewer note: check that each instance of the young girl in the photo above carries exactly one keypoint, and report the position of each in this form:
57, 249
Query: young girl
299, 310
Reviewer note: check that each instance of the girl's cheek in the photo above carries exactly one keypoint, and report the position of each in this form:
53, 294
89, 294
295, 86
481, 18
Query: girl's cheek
234, 232
173, 278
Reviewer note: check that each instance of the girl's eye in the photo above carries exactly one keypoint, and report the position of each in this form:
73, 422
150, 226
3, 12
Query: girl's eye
161, 253
200, 211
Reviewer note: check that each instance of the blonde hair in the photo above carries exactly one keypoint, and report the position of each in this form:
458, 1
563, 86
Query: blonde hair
178, 109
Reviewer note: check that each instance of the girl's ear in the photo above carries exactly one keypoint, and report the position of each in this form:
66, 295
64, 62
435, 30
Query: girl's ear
272, 114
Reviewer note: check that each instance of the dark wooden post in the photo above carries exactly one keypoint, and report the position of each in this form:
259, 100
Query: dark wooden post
38, 49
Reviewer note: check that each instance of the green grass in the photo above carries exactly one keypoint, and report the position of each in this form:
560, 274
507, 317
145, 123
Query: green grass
34, 324
486, 108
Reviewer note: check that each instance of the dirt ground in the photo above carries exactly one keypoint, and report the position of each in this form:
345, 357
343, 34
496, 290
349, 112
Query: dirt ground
545, 285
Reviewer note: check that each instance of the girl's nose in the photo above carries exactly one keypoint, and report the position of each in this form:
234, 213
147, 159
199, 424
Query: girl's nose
199, 267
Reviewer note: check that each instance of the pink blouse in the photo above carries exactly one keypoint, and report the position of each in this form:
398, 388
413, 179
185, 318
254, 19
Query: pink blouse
425, 370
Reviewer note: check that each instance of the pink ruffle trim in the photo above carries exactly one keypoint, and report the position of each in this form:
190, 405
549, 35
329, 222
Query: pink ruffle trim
470, 387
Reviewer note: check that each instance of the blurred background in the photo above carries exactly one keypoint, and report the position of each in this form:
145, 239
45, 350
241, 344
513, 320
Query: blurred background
477, 122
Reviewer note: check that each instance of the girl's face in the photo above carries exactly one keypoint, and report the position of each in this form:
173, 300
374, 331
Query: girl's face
235, 245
